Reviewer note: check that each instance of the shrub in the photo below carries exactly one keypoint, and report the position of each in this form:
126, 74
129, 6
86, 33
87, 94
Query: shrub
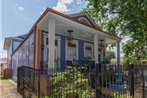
70, 84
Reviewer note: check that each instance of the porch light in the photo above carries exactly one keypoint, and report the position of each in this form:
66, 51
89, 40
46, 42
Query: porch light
70, 37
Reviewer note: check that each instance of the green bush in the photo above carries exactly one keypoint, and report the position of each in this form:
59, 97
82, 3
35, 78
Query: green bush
70, 84
87, 58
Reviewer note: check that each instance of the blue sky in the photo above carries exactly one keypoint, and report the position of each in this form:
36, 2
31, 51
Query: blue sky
18, 16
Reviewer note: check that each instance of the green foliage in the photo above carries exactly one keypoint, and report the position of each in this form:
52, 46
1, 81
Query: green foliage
71, 84
46, 97
134, 52
87, 58
109, 55
115, 95
126, 18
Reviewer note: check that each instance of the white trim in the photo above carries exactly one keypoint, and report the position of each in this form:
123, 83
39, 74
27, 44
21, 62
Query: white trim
58, 45
92, 48
81, 26
91, 20
83, 18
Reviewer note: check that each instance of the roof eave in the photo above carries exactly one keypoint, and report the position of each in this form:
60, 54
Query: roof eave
77, 21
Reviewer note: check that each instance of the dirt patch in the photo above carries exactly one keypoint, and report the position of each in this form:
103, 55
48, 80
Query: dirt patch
8, 89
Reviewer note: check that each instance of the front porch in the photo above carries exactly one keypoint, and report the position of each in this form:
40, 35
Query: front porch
71, 43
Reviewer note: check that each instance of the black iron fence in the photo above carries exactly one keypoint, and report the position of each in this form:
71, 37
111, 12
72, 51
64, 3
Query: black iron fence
83, 81
120, 81
28, 82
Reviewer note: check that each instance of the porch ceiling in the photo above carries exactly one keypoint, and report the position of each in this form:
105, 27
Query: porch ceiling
79, 31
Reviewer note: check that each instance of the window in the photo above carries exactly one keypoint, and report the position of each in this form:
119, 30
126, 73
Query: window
72, 50
88, 50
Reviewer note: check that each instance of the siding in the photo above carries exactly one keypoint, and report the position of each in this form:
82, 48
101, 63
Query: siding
9, 55
15, 44
19, 58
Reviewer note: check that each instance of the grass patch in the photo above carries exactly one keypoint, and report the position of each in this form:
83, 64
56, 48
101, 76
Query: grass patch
5, 81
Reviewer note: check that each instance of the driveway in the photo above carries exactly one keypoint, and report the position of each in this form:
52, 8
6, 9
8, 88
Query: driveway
8, 89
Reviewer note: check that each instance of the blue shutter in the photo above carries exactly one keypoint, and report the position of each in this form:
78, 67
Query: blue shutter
81, 49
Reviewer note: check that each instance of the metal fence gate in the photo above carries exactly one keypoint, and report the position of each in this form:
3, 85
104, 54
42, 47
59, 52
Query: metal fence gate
28, 82
101, 81
120, 81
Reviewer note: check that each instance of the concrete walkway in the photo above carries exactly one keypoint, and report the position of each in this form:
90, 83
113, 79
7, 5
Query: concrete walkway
8, 89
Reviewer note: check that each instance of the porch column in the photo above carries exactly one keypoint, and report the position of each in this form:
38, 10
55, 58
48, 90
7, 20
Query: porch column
118, 53
51, 41
96, 48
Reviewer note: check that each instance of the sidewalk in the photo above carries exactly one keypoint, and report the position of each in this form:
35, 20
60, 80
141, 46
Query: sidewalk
8, 89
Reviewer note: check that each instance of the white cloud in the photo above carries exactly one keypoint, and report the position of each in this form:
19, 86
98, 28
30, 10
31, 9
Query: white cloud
21, 8
62, 5
81, 2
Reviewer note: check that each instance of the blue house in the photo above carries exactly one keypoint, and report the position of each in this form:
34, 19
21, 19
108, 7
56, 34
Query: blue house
10, 44
56, 39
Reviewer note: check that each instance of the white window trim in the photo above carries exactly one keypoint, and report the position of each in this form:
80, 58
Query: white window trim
91, 45
77, 50
58, 38
58, 45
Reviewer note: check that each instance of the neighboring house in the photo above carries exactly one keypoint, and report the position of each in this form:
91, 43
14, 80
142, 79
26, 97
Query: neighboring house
3, 65
10, 44
56, 38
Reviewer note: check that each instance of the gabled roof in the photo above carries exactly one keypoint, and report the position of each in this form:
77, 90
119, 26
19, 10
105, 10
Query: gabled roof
8, 40
86, 16
70, 17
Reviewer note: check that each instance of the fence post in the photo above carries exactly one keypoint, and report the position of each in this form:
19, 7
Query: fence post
18, 84
143, 83
131, 70
98, 81
38, 72
23, 76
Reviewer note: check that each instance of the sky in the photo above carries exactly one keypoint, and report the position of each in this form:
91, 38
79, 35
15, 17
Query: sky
18, 16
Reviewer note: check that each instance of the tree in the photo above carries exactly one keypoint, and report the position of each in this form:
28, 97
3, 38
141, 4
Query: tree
109, 55
133, 52
124, 18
